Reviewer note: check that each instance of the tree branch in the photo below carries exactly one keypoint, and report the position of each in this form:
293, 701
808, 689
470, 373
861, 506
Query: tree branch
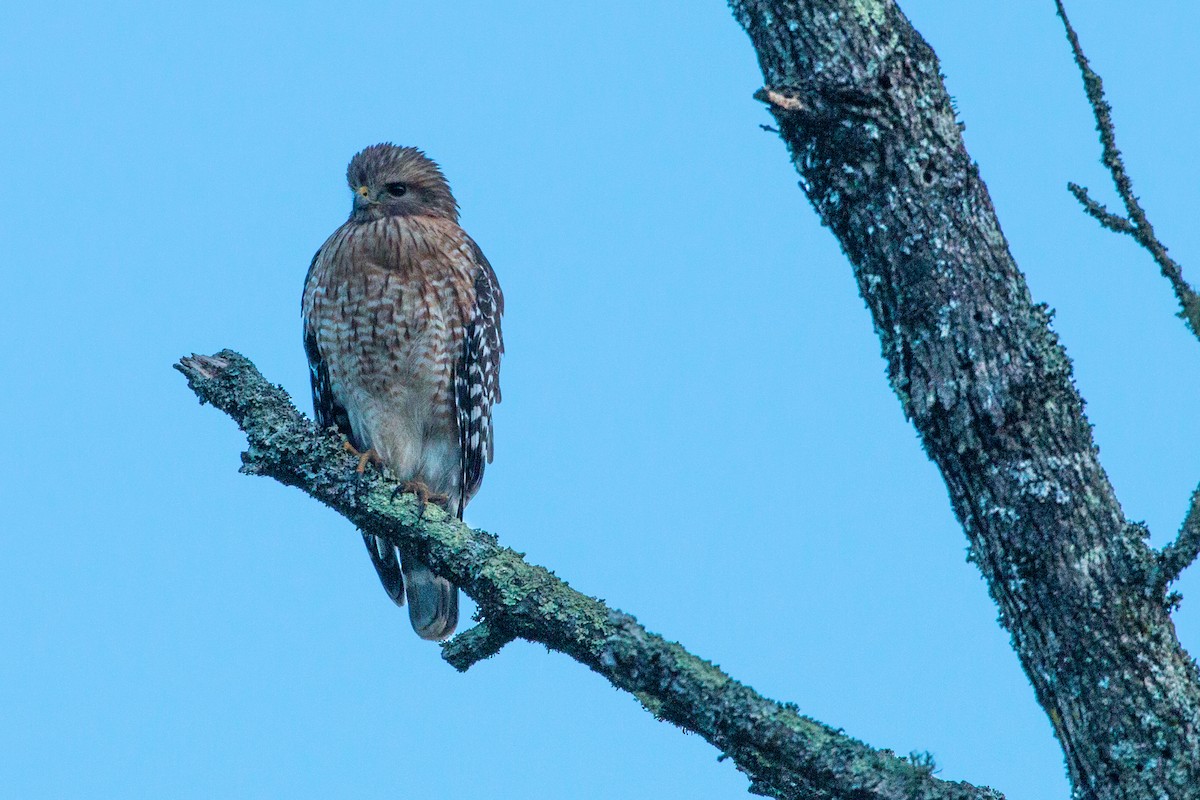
1177, 556
476, 644
1136, 224
1114, 222
785, 754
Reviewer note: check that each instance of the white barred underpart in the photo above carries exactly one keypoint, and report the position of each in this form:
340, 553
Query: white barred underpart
402, 329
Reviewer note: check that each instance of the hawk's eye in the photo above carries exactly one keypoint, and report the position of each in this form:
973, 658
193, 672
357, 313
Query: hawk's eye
396, 189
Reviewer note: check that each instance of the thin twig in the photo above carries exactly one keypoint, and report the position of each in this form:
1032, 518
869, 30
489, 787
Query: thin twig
1114, 222
1136, 224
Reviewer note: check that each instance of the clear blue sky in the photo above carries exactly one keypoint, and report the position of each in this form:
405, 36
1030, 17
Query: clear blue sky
696, 423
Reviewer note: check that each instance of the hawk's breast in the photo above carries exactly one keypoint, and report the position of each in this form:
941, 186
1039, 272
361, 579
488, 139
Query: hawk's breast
386, 302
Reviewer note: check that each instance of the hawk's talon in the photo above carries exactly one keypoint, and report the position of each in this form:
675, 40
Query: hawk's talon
424, 494
363, 457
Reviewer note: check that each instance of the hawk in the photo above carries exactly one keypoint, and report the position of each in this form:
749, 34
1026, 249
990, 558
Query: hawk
401, 319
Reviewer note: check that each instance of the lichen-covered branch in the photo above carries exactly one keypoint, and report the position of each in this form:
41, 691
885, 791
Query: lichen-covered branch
858, 98
1177, 556
784, 753
1136, 224
476, 644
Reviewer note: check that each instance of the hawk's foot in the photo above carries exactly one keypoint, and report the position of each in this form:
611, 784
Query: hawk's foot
425, 495
370, 455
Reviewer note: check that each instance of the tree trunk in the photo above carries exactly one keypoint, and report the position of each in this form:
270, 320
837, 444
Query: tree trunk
860, 102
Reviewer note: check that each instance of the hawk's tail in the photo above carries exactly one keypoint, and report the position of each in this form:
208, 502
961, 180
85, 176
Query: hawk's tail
432, 601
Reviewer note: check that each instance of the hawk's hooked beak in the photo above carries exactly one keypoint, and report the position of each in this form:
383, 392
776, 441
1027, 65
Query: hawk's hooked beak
362, 197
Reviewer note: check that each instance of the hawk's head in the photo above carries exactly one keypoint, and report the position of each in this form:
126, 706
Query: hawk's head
391, 181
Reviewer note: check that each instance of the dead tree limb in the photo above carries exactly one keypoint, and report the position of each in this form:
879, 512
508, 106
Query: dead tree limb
784, 753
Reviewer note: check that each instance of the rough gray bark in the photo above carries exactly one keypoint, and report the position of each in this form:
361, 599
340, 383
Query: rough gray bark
860, 103
785, 754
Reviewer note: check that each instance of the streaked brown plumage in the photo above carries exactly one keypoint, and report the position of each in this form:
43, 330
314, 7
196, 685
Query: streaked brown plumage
402, 330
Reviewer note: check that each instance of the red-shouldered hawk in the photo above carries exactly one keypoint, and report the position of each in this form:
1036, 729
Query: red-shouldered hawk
402, 330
